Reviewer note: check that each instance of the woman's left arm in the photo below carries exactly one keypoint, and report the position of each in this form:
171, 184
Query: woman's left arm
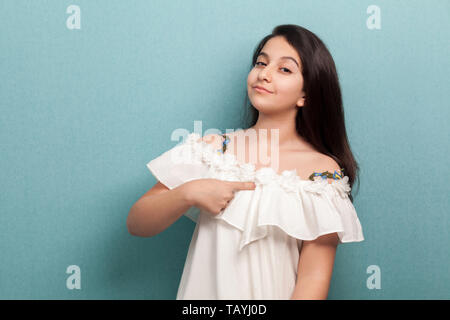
315, 268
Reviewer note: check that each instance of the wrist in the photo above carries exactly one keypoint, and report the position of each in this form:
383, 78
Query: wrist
186, 194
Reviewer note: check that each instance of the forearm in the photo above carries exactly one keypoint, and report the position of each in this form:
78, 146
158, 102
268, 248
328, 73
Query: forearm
311, 289
153, 214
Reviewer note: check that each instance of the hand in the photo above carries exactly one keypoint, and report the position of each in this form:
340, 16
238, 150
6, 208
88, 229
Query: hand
213, 195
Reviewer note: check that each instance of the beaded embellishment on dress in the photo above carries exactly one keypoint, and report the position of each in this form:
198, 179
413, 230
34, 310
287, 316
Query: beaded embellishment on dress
336, 175
224, 144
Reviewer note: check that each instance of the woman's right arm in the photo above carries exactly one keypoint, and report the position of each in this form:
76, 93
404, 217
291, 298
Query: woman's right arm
160, 206
158, 209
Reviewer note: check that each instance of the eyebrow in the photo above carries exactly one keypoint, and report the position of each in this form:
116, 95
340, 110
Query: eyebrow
262, 53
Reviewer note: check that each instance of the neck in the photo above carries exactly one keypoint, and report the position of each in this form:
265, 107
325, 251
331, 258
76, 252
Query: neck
282, 125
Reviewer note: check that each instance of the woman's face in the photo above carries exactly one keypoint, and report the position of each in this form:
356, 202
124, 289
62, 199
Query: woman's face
281, 76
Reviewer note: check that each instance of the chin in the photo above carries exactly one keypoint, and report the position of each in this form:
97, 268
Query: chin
263, 107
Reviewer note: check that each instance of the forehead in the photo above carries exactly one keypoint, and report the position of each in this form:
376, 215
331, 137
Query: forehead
278, 47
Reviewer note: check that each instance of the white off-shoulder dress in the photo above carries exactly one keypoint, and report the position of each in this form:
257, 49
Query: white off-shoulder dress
250, 250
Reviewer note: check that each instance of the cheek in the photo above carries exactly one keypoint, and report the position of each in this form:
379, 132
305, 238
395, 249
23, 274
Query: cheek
289, 87
251, 78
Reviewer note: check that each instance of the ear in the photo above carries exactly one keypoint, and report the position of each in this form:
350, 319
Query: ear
301, 102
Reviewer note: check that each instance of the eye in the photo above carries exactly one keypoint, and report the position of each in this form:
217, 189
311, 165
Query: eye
288, 71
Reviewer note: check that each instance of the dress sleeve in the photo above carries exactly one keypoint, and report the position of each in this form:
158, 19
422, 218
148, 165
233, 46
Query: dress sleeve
178, 165
333, 211
305, 212
326, 208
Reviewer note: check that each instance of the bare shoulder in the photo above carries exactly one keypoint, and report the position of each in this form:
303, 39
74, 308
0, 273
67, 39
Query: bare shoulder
327, 163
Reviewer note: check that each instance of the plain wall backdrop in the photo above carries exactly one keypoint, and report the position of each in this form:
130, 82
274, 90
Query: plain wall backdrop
82, 110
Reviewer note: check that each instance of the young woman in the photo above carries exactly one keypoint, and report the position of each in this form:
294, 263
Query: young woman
264, 229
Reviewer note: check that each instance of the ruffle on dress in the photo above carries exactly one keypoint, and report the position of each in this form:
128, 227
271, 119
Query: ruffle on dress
304, 209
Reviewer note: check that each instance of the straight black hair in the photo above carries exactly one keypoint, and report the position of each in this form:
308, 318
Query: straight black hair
321, 120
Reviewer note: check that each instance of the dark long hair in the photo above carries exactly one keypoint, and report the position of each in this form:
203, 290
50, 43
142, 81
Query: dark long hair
321, 120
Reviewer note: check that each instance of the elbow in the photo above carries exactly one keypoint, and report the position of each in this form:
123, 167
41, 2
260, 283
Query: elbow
135, 231
131, 224
130, 227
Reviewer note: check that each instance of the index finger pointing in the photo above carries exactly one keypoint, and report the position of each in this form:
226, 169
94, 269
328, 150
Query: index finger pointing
242, 185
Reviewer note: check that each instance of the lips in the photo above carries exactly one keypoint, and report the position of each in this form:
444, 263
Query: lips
262, 88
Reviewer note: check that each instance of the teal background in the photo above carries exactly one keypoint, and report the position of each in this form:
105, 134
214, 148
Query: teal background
83, 111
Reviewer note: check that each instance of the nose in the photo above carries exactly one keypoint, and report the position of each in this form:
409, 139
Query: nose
265, 74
